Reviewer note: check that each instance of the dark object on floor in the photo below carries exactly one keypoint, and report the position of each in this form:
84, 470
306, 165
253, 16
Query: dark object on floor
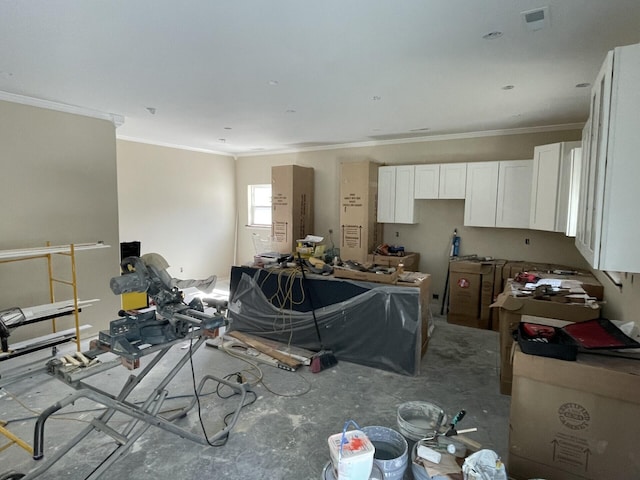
324, 358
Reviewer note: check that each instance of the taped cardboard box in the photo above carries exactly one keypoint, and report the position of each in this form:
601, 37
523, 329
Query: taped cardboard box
574, 420
471, 292
511, 309
359, 231
292, 192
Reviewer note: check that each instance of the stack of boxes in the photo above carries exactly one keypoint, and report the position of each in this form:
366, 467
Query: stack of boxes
473, 285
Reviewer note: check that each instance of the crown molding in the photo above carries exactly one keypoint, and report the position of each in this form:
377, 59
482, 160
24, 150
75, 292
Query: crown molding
429, 138
173, 145
117, 120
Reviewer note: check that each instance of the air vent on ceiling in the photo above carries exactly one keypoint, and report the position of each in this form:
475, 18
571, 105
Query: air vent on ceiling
536, 19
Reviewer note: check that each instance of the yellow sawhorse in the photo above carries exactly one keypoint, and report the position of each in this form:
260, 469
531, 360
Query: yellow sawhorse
13, 439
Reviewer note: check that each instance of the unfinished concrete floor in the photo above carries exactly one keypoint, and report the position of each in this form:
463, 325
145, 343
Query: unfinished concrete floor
283, 435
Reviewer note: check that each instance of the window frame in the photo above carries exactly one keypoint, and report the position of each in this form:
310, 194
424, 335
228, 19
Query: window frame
253, 206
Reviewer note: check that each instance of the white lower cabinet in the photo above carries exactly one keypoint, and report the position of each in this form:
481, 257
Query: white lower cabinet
498, 194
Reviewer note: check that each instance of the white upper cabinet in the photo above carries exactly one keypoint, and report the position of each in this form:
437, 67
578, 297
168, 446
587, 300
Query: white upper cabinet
386, 194
427, 181
608, 226
498, 194
396, 194
482, 194
514, 193
551, 186
453, 180
444, 181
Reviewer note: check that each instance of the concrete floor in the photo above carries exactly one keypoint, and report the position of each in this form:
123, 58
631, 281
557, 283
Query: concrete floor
283, 435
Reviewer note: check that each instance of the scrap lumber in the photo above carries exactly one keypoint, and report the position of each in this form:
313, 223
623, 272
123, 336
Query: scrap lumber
264, 348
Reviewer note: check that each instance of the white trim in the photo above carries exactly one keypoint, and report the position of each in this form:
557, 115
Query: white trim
173, 145
38, 251
117, 120
431, 138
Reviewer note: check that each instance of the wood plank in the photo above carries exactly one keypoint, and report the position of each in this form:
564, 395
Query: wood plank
262, 347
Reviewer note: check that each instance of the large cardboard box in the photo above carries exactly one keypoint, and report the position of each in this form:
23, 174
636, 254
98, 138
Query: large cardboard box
360, 231
410, 260
471, 292
574, 420
511, 309
292, 190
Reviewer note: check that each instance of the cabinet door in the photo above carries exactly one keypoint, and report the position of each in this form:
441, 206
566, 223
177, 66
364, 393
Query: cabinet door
386, 194
481, 194
544, 187
593, 167
404, 203
427, 183
453, 178
574, 191
514, 194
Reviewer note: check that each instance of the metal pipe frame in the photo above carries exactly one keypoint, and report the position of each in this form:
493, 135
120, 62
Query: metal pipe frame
147, 414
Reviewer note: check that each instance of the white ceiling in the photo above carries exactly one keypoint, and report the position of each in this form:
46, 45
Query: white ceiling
245, 76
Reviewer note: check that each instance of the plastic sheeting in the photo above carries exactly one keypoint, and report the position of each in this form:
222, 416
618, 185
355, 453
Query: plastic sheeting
380, 327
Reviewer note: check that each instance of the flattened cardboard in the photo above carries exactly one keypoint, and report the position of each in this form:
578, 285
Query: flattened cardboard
410, 260
389, 278
574, 420
590, 283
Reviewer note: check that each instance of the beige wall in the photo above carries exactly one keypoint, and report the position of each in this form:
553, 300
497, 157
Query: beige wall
180, 204
436, 219
58, 184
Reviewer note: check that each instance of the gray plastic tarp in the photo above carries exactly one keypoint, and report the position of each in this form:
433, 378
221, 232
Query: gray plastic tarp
380, 328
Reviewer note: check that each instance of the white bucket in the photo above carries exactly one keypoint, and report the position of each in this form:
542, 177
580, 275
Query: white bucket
391, 451
329, 474
353, 459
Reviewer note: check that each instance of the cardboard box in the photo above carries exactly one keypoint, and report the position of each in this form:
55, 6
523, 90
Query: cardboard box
574, 420
545, 270
423, 282
410, 260
360, 232
388, 278
292, 191
471, 292
511, 309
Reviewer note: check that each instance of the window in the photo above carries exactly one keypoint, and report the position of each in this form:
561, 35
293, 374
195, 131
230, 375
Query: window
260, 205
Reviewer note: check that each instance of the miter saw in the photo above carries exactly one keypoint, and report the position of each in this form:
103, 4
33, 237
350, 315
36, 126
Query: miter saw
172, 318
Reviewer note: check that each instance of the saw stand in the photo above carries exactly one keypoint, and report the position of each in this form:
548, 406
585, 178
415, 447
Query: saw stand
142, 415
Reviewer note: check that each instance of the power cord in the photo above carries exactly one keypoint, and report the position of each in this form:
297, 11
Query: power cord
222, 441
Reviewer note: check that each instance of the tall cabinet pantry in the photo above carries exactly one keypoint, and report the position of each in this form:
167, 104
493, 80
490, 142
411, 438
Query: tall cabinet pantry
292, 190
360, 232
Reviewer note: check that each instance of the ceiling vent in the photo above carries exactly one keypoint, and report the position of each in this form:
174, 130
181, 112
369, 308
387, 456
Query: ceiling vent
536, 19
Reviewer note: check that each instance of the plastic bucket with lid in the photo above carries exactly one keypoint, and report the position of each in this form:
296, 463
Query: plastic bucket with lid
391, 451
